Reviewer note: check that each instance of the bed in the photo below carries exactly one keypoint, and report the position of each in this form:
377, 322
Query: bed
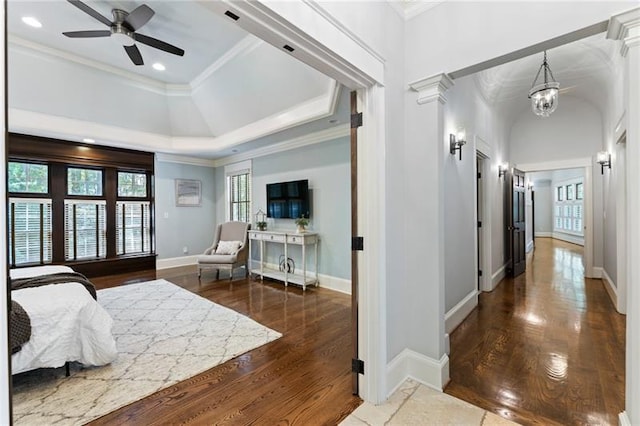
67, 324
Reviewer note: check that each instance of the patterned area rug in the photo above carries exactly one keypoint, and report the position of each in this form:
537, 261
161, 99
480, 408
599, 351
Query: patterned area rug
164, 334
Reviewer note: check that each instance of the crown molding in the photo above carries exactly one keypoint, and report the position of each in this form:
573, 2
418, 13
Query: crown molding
626, 27
416, 8
299, 142
39, 124
243, 47
432, 88
139, 81
313, 4
181, 159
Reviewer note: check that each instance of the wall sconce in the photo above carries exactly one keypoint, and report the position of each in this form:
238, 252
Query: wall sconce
502, 169
456, 142
604, 158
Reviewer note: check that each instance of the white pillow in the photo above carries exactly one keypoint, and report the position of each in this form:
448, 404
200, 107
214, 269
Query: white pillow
228, 247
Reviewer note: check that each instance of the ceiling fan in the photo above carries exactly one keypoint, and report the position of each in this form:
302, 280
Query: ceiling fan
124, 27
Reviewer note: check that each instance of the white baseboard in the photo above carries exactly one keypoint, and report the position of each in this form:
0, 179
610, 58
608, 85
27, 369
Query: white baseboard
596, 272
624, 419
529, 246
458, 313
568, 238
334, 283
497, 276
543, 234
409, 364
174, 262
447, 344
612, 290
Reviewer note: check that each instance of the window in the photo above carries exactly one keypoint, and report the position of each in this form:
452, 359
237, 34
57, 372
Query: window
132, 184
29, 231
29, 218
568, 210
28, 178
570, 192
85, 228
133, 230
84, 182
239, 191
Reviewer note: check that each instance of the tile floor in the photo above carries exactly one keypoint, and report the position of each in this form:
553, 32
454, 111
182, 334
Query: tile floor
416, 404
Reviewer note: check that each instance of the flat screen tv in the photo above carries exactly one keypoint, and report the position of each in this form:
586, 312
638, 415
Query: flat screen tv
288, 200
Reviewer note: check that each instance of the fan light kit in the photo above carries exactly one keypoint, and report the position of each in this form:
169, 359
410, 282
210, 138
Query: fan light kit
123, 28
544, 96
31, 21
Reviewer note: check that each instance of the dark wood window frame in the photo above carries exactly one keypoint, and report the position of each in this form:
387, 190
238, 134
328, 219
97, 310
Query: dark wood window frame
59, 155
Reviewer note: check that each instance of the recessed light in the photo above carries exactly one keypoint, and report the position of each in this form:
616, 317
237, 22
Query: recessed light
88, 140
158, 66
31, 21
234, 150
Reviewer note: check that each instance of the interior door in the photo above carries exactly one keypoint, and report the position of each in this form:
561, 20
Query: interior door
517, 224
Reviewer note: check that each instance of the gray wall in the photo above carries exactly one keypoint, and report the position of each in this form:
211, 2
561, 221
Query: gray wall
327, 167
179, 227
543, 206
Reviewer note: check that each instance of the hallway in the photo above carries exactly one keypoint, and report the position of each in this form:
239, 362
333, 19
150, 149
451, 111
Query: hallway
546, 347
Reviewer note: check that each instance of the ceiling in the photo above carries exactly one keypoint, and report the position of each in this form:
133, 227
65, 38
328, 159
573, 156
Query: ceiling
582, 68
229, 93
228, 90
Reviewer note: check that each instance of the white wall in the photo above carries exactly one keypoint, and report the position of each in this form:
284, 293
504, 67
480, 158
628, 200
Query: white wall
179, 227
543, 208
466, 108
327, 167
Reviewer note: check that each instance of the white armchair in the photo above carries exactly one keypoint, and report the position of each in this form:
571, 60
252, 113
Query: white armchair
230, 249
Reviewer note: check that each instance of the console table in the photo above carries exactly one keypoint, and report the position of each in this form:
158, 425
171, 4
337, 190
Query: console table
285, 239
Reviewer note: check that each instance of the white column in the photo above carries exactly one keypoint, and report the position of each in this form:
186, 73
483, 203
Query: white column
626, 27
425, 154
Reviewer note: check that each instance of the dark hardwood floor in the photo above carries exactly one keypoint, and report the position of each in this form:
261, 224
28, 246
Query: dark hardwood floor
547, 347
302, 378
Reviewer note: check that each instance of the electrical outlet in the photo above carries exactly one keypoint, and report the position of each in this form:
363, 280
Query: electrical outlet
185, 249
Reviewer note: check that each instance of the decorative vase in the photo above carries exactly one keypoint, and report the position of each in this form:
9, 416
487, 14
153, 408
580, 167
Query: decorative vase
300, 229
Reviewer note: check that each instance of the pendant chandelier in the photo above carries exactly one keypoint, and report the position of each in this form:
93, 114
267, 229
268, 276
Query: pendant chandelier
544, 96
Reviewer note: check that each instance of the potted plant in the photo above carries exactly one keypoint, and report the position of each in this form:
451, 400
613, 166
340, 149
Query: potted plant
301, 223
262, 225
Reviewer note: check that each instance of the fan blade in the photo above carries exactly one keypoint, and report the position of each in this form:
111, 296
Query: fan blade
158, 44
138, 17
134, 54
89, 11
85, 34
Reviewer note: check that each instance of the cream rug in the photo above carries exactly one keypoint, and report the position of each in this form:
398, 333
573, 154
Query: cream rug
164, 334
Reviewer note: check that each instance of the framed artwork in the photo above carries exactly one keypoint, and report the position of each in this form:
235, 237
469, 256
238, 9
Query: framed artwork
188, 193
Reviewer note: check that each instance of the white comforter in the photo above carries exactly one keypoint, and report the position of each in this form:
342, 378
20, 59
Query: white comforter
67, 324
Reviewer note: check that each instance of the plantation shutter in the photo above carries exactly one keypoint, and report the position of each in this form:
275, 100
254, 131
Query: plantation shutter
240, 196
133, 233
29, 231
85, 229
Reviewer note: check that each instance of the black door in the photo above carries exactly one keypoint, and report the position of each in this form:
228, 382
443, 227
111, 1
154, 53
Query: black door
517, 224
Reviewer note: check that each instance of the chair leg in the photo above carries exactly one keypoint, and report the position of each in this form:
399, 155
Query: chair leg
199, 272
217, 274
231, 274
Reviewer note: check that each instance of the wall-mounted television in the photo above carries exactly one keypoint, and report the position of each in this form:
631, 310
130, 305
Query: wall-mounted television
288, 200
